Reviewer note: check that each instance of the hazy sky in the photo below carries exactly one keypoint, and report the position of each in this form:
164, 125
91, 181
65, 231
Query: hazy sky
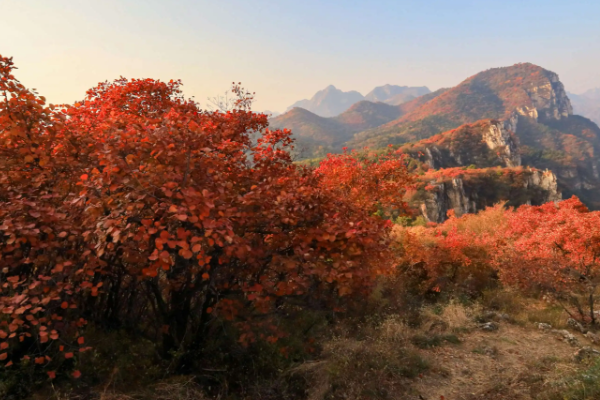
287, 50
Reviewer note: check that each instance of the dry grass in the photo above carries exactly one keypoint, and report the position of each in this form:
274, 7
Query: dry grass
395, 361
179, 388
446, 355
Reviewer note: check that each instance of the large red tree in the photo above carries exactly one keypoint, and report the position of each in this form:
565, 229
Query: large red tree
135, 209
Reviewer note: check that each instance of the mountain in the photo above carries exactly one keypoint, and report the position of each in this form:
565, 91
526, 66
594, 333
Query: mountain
395, 95
496, 93
316, 136
271, 114
516, 122
593, 94
472, 167
308, 126
587, 104
329, 102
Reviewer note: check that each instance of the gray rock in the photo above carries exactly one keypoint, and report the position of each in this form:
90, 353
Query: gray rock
489, 326
543, 326
566, 336
592, 337
576, 325
585, 352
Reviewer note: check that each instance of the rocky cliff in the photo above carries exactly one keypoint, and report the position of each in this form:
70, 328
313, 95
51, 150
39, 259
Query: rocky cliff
486, 143
498, 138
470, 191
549, 99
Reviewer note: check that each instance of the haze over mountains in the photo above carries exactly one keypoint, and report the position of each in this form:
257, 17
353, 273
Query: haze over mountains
331, 101
587, 104
516, 118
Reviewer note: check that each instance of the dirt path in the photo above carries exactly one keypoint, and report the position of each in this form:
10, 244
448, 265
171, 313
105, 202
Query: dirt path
513, 362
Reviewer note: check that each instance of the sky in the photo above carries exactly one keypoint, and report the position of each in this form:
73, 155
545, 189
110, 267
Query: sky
287, 50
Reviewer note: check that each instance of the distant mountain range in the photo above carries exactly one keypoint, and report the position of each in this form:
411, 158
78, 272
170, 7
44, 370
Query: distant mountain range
331, 101
587, 104
509, 118
395, 95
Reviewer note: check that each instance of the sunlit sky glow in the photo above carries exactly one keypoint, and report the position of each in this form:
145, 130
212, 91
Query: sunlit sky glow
287, 50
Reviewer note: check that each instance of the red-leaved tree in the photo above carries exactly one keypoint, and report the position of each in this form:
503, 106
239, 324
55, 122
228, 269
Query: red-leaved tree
554, 247
135, 209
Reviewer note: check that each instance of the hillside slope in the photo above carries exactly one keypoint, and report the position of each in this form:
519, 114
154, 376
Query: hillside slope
316, 135
497, 93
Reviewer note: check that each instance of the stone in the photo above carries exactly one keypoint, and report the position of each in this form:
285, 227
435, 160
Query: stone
543, 326
566, 336
585, 352
592, 337
498, 138
489, 326
464, 199
576, 325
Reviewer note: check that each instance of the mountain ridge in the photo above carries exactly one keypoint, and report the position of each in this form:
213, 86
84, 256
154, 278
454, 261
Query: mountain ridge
331, 101
515, 116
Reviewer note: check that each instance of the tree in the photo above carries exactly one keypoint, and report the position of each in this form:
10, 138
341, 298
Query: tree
135, 209
371, 180
554, 247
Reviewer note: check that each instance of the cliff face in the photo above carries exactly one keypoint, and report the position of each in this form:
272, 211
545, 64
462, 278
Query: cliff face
486, 143
549, 99
498, 138
471, 193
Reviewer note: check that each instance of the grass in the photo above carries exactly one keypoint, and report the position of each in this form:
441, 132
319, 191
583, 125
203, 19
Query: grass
553, 315
429, 341
582, 386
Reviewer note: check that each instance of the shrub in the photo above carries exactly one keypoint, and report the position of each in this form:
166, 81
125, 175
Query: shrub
137, 211
454, 256
554, 248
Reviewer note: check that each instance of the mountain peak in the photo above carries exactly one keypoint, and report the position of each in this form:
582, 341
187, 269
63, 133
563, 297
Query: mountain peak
329, 102
395, 95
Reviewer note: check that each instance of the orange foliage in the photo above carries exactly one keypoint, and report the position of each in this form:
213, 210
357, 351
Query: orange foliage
134, 208
371, 181
555, 247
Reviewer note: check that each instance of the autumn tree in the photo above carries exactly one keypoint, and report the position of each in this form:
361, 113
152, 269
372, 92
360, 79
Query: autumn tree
134, 209
455, 256
371, 180
556, 248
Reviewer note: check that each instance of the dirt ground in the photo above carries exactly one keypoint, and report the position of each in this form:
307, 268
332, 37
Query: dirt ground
513, 362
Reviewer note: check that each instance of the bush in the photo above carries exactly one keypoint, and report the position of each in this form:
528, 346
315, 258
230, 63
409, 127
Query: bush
134, 211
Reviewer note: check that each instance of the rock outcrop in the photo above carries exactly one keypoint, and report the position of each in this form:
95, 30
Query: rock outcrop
472, 192
445, 197
486, 143
498, 138
546, 181
550, 100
